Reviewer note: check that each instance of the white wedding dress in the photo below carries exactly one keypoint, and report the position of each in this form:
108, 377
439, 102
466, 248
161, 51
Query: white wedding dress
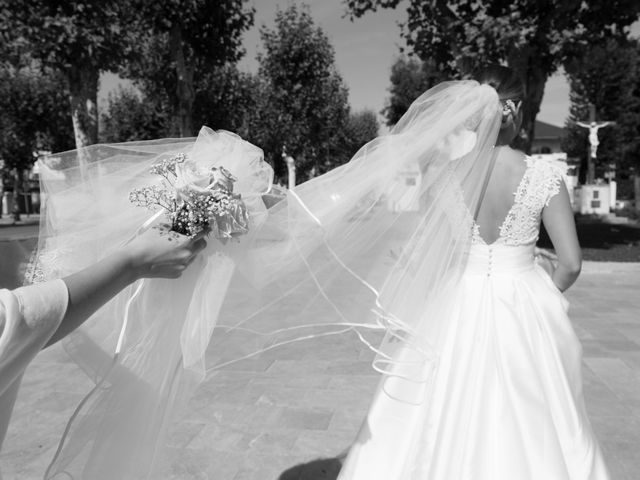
505, 401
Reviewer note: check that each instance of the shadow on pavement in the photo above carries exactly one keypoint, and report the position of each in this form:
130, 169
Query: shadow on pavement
320, 469
14, 256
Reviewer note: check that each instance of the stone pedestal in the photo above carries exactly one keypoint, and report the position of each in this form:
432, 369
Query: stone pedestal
613, 194
593, 199
571, 181
7, 203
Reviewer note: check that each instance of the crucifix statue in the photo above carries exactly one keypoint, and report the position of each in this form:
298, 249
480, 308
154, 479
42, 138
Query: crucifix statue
593, 127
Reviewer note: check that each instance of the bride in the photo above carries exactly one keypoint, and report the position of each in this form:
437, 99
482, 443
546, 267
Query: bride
505, 400
422, 246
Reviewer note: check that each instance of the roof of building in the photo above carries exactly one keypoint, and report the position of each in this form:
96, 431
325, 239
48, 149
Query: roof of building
546, 130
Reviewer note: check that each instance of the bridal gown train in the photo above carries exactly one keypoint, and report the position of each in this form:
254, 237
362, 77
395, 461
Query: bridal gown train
505, 401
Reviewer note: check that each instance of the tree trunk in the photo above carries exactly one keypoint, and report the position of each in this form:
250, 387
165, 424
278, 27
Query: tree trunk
83, 94
535, 79
17, 194
185, 94
1, 191
636, 190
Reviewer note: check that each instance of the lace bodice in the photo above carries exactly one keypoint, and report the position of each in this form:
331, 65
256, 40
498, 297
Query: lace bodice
540, 182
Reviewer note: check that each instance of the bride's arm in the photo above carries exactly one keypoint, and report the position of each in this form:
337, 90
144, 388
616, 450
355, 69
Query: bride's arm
150, 255
558, 220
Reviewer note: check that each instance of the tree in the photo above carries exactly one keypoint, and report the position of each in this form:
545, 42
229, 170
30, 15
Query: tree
410, 77
534, 37
133, 115
302, 101
182, 40
361, 128
225, 98
35, 117
78, 38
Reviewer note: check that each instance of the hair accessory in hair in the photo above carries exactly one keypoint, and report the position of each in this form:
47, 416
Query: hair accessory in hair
508, 107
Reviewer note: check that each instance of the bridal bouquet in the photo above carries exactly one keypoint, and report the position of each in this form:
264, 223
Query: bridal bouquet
195, 199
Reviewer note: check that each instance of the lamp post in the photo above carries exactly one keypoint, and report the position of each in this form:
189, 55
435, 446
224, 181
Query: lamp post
291, 168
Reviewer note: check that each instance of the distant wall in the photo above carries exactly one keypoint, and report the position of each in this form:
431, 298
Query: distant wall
546, 145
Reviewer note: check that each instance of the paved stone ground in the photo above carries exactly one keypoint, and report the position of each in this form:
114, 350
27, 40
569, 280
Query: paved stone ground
295, 418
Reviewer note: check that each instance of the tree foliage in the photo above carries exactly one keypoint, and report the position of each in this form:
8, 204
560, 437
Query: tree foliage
410, 77
296, 101
534, 37
165, 44
302, 101
132, 115
361, 128
181, 43
607, 77
226, 98
78, 38
35, 115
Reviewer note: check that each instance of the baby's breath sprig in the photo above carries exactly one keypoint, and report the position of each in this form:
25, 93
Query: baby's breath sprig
152, 196
167, 166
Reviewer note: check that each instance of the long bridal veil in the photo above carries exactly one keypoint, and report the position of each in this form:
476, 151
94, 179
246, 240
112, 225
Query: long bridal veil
369, 248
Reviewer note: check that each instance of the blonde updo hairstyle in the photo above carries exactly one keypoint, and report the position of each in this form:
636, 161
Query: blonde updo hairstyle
511, 93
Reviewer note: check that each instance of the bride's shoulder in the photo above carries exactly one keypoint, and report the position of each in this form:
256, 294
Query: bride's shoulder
548, 167
548, 176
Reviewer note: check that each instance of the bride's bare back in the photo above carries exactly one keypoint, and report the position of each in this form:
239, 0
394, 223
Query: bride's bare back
500, 196
509, 168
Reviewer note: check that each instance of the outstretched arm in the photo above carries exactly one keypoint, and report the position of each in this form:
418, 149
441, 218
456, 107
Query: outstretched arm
150, 255
560, 225
585, 125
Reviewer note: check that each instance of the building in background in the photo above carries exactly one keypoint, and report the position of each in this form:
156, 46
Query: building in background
547, 138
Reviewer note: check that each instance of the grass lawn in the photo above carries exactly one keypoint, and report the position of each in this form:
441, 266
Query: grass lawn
605, 242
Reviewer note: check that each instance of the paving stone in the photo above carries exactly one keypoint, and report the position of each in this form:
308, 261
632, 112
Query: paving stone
292, 381
272, 468
282, 395
305, 419
273, 443
347, 421
203, 464
183, 433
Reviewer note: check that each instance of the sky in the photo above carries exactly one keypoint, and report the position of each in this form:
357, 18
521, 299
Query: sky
365, 49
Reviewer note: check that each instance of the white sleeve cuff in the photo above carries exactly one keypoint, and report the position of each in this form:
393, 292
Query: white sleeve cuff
43, 305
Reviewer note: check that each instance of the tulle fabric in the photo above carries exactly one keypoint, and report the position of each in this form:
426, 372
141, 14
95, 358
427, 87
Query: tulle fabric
360, 249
